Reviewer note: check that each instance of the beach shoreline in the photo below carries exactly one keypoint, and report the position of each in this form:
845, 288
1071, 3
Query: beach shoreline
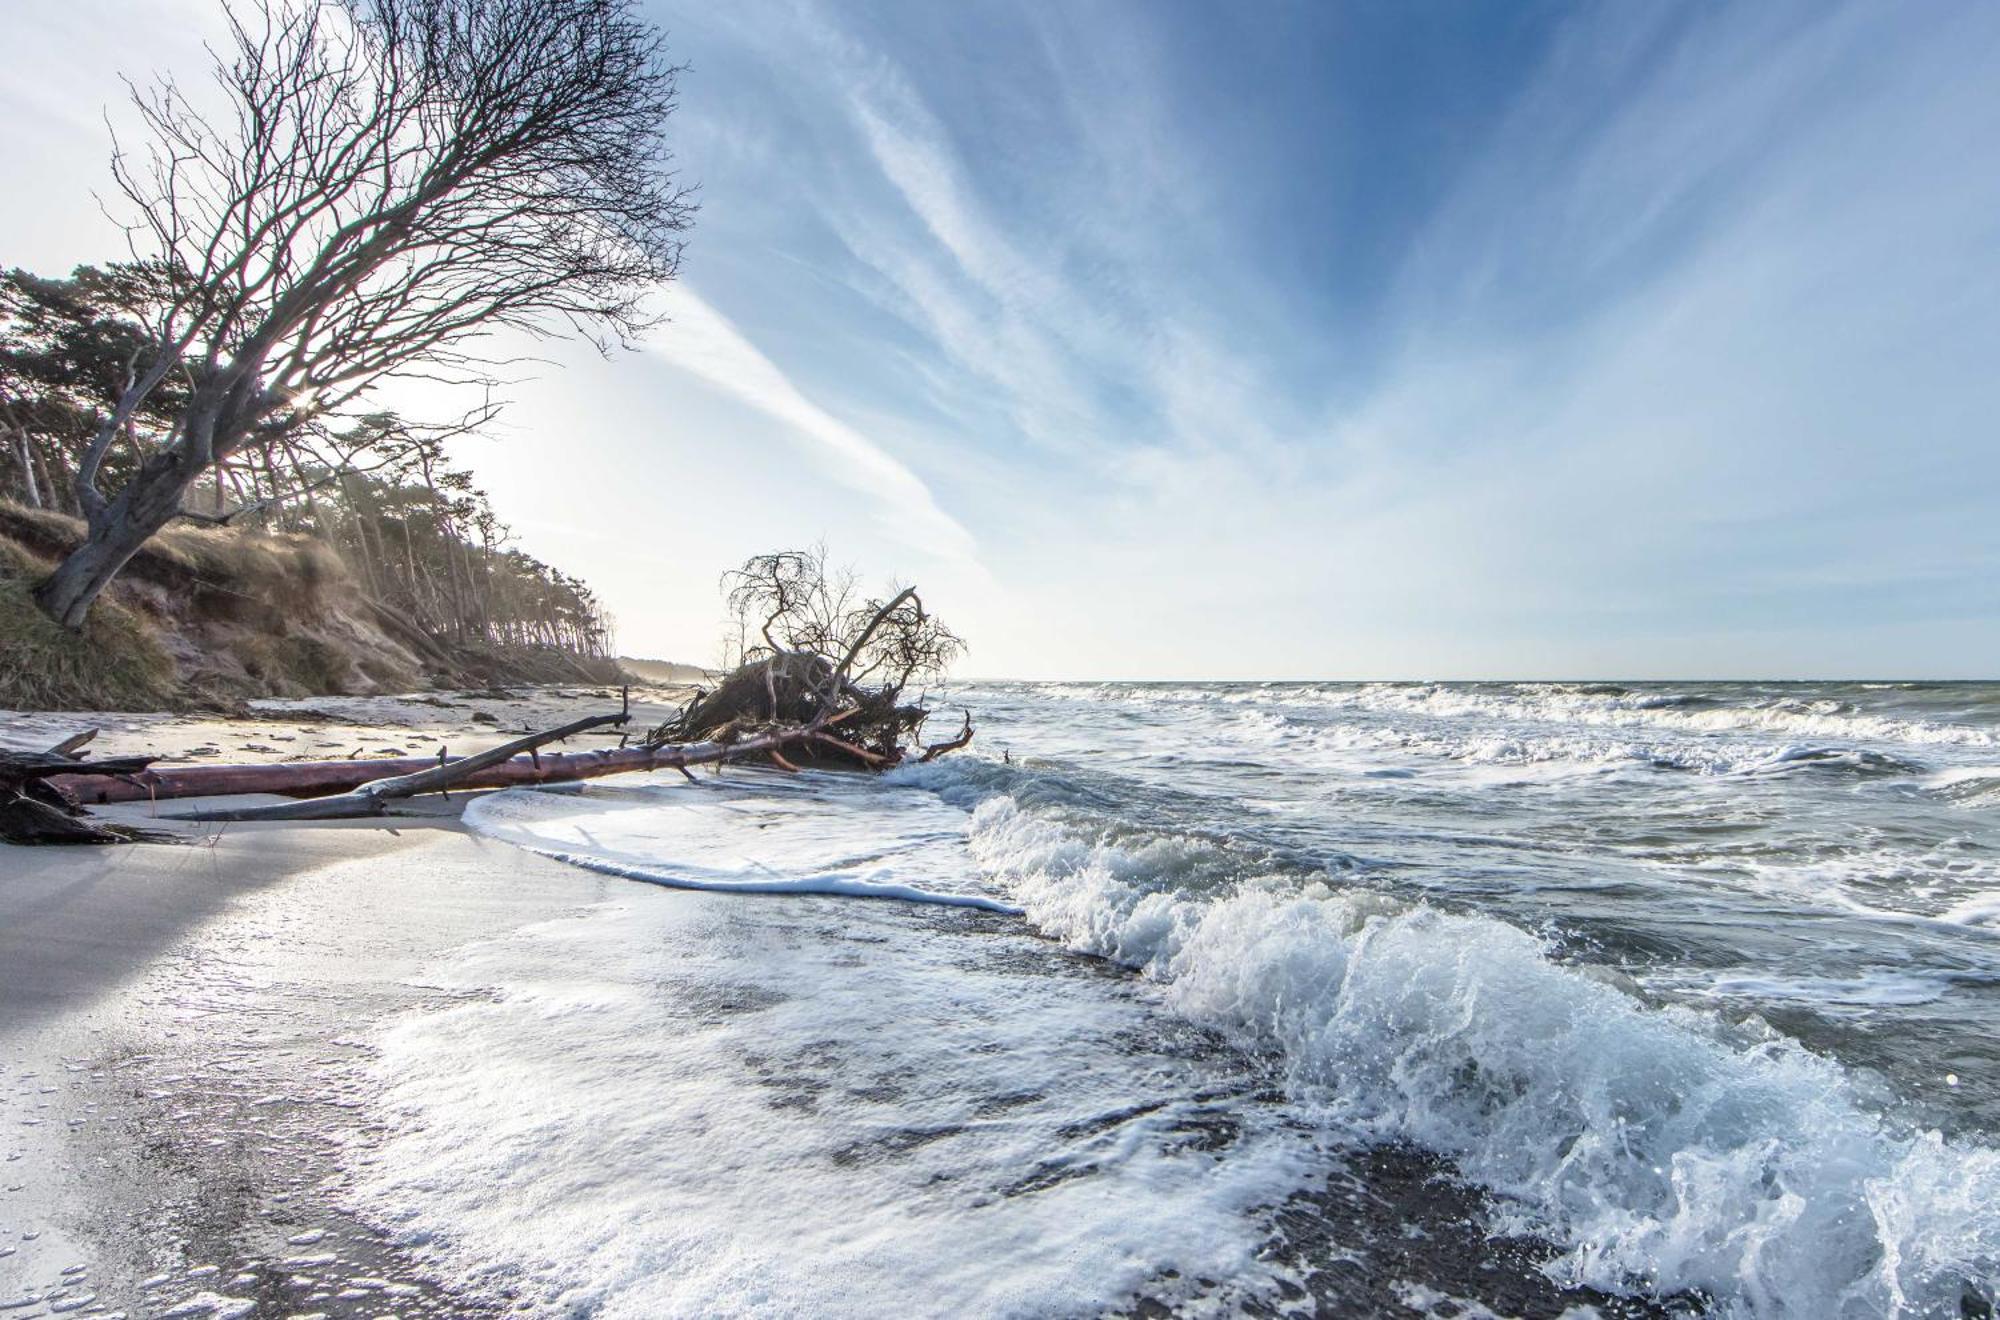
191, 1074
184, 1048
216, 1057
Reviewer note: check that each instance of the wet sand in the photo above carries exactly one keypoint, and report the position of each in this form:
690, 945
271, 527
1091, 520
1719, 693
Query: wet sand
183, 1039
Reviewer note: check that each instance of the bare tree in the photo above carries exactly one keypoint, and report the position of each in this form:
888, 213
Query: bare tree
396, 181
811, 651
802, 606
790, 599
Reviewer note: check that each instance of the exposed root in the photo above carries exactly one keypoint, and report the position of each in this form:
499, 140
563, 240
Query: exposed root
826, 660
35, 811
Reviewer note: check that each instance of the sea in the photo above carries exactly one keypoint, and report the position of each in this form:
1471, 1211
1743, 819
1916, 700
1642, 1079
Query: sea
1437, 999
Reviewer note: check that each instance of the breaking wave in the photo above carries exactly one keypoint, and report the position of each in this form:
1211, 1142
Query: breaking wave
1504, 745
1663, 1150
1819, 855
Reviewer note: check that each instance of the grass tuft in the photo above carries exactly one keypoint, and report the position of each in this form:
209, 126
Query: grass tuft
116, 663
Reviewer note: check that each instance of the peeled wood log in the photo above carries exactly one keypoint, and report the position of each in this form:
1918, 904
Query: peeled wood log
319, 778
370, 798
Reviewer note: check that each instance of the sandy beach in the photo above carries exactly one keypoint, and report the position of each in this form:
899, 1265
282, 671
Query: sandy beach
181, 1026
182, 1031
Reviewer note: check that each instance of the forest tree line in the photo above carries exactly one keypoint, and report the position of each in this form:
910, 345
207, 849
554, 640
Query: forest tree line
420, 537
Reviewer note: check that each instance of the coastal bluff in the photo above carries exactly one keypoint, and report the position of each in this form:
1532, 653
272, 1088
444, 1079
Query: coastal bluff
207, 617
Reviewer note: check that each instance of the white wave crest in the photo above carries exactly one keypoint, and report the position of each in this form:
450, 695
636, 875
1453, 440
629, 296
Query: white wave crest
1793, 717
1788, 716
1661, 1151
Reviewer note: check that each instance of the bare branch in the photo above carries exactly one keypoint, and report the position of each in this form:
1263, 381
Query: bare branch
393, 184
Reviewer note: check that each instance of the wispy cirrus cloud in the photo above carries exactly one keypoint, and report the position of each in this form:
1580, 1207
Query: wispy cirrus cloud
1646, 292
706, 344
1329, 339
1088, 329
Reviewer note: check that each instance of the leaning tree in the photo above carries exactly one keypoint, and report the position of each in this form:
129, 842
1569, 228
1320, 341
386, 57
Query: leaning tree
392, 183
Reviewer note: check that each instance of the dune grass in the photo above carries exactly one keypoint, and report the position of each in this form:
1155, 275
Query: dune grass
116, 663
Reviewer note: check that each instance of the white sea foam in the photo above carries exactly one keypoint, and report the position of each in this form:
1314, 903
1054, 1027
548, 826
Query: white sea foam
1792, 717
1524, 738
1972, 785
1981, 909
698, 1105
1660, 1148
1875, 989
1657, 1148
1566, 704
694, 837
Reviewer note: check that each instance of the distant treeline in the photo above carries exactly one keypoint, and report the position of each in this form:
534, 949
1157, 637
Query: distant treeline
420, 537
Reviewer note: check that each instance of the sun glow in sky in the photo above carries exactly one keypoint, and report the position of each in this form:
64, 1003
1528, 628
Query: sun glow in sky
1315, 340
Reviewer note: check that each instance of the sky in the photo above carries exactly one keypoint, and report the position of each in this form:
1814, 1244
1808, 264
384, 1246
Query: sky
1270, 340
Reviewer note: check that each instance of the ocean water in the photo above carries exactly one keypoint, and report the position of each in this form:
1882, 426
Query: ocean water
1542, 998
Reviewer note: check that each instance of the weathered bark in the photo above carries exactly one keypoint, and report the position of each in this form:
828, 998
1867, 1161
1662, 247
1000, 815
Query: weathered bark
28, 822
33, 810
346, 778
58, 496
935, 750
17, 769
319, 778
71, 745
116, 531
27, 461
370, 798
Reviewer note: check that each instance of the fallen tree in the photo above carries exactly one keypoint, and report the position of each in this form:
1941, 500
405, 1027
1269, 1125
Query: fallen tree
812, 651
101, 783
318, 778
373, 797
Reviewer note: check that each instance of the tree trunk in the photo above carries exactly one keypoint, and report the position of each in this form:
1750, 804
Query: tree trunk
58, 495
148, 503
27, 467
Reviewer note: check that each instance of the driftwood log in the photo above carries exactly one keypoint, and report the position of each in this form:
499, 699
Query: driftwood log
360, 788
35, 808
502, 766
318, 778
373, 797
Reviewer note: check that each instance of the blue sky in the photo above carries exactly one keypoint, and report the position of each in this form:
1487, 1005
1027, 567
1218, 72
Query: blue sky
1279, 340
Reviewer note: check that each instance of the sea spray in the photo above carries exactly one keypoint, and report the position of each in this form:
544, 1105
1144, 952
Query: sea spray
1662, 1150
723, 1104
